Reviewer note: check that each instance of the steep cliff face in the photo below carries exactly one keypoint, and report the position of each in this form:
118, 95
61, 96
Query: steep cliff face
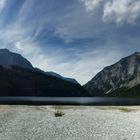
124, 74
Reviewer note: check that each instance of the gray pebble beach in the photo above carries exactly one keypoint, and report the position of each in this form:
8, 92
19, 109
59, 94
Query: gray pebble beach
78, 123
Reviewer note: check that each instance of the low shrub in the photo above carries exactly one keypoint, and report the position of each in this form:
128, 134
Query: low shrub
58, 113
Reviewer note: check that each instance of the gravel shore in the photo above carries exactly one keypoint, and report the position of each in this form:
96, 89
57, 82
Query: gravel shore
78, 123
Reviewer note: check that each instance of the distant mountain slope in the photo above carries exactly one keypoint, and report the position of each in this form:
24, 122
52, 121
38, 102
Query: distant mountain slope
117, 78
61, 77
8, 58
18, 81
19, 78
57, 75
133, 92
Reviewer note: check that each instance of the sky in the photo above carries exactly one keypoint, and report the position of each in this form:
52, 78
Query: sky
75, 38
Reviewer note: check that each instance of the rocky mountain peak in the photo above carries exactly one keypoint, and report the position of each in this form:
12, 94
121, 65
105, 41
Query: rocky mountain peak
123, 74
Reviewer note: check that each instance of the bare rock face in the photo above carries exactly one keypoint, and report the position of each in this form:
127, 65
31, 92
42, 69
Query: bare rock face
123, 74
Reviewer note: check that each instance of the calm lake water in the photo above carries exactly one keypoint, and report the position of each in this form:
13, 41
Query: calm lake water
69, 101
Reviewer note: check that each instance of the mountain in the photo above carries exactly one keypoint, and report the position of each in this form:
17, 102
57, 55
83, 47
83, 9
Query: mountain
57, 75
121, 79
61, 77
19, 81
8, 59
19, 78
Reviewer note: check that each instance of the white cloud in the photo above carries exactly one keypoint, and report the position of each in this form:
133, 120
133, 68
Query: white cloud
89, 62
91, 4
93, 61
76, 22
121, 11
18, 45
2, 4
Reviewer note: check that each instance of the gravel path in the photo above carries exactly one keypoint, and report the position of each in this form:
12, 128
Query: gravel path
78, 123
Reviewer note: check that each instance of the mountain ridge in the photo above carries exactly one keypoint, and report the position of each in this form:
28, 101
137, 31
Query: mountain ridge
8, 59
19, 78
123, 74
18, 81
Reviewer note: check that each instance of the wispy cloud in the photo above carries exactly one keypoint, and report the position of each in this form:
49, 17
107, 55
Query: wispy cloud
75, 38
2, 4
91, 4
122, 11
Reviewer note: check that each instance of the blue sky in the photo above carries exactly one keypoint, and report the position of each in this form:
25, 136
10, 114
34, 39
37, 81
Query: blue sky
75, 38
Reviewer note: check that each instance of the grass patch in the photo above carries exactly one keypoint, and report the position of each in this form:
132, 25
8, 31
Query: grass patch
120, 108
58, 113
39, 108
124, 109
